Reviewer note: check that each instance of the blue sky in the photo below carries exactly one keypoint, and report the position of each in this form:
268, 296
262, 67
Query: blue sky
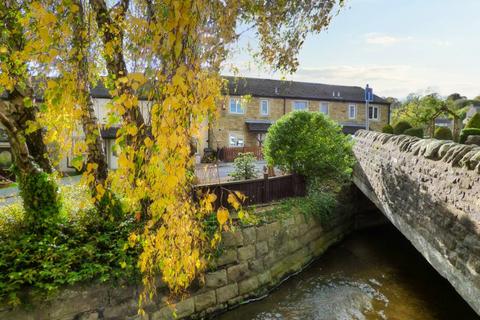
397, 46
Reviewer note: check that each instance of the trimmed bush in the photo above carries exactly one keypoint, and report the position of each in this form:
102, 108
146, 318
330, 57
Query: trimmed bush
401, 127
244, 167
414, 132
468, 132
443, 133
387, 129
310, 144
474, 121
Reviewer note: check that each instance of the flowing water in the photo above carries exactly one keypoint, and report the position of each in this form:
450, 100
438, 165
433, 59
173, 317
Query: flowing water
372, 274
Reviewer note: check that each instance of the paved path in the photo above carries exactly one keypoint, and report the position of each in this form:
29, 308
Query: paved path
206, 173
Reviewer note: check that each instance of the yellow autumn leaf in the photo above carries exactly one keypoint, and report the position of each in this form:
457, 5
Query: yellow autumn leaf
123, 80
148, 142
74, 8
222, 215
132, 130
232, 200
138, 77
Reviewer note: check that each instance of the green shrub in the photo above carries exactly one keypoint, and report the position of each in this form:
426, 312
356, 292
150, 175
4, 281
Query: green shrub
468, 132
443, 133
5, 159
78, 245
244, 166
474, 121
41, 199
310, 144
414, 132
42, 263
387, 129
401, 127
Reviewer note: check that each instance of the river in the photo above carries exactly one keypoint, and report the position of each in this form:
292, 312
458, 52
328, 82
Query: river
372, 274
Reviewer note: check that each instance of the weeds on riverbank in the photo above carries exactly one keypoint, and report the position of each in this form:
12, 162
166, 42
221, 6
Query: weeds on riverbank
81, 246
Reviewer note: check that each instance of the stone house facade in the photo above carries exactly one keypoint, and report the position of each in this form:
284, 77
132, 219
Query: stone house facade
248, 108
251, 105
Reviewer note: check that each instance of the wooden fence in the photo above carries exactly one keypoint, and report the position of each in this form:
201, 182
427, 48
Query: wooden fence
228, 154
258, 191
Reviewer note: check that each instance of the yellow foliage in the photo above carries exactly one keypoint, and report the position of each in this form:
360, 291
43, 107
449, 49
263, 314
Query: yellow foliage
175, 54
222, 215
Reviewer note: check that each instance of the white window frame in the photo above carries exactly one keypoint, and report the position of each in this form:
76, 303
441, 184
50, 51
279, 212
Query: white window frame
261, 107
378, 113
238, 102
237, 136
302, 101
354, 111
328, 108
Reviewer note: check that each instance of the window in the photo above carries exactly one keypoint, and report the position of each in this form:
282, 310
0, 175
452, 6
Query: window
373, 113
264, 108
324, 107
236, 140
352, 111
300, 105
236, 106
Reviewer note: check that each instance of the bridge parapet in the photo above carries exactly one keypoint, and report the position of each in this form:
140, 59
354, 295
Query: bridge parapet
430, 190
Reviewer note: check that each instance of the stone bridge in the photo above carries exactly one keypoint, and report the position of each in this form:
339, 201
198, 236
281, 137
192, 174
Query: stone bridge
430, 190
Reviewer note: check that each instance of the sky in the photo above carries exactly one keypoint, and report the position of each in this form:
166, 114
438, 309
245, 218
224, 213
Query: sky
396, 46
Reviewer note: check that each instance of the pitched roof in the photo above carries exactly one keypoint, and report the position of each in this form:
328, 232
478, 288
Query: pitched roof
270, 88
297, 90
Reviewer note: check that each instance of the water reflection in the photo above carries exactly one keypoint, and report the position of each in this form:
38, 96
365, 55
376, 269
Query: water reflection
373, 274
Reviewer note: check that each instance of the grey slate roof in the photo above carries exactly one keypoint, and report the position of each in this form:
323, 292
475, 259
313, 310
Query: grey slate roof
297, 90
270, 88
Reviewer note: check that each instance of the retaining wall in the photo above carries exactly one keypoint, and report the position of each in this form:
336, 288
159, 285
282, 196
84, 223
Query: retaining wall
254, 259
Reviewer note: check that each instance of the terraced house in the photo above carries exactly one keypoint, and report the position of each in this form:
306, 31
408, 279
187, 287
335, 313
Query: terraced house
248, 109
251, 105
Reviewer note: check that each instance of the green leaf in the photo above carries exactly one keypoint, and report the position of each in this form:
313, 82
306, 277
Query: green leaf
77, 162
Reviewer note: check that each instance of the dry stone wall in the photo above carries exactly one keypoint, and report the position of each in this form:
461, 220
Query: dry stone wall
254, 259
430, 190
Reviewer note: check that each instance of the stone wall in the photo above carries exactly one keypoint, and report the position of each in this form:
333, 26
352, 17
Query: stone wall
253, 260
430, 190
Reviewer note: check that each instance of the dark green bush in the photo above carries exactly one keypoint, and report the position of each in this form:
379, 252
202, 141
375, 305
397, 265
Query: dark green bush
474, 121
443, 133
414, 132
401, 127
468, 132
41, 263
310, 144
387, 129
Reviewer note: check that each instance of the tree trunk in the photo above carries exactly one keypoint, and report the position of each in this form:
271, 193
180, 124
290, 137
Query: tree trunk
96, 154
22, 116
38, 190
112, 35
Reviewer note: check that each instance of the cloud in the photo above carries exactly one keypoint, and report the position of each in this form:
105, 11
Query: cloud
442, 43
385, 39
375, 38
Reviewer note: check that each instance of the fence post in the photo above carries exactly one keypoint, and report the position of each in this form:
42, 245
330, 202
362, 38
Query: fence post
266, 188
295, 182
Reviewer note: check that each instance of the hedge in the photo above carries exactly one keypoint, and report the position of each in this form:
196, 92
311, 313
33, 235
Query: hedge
387, 129
414, 132
401, 126
474, 121
469, 132
443, 133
